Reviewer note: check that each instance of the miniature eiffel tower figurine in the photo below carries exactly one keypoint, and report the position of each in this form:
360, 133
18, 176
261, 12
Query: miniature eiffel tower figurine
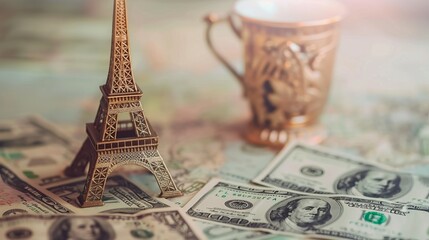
112, 142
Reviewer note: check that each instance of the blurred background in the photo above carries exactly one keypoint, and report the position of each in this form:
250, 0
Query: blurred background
54, 54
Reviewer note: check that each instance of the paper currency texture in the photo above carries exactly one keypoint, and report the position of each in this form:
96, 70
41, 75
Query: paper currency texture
121, 197
37, 148
20, 197
160, 224
315, 169
292, 213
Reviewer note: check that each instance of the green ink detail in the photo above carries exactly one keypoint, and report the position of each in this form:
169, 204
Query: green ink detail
375, 217
142, 233
12, 156
30, 174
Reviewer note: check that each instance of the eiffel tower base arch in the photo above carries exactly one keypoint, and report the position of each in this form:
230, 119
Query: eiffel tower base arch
102, 163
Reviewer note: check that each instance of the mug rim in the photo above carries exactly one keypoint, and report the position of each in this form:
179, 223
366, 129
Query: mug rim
315, 22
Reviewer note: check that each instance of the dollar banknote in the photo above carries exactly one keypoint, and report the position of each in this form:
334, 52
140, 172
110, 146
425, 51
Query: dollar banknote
235, 161
221, 232
120, 196
316, 215
165, 224
17, 196
37, 148
243, 161
315, 169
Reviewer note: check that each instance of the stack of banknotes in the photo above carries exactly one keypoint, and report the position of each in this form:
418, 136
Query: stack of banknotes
305, 192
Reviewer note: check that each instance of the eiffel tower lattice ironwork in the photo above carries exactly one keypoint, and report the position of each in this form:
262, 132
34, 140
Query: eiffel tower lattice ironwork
112, 142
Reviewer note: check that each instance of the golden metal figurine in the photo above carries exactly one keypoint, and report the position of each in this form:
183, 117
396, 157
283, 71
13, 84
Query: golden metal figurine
287, 68
112, 142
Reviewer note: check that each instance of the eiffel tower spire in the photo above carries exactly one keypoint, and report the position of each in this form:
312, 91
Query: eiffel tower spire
120, 93
120, 79
111, 142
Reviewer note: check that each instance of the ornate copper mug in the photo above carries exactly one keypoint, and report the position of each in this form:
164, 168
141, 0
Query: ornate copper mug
289, 51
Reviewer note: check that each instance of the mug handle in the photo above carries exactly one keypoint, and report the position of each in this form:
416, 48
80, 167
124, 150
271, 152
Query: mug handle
212, 19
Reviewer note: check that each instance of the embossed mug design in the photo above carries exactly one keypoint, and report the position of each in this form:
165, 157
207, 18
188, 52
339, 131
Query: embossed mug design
289, 53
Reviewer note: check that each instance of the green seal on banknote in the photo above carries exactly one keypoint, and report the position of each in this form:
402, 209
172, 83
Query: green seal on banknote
374, 217
30, 174
142, 233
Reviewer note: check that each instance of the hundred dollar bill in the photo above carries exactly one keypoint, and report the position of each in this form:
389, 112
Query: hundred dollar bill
222, 232
165, 224
120, 196
19, 197
319, 170
37, 148
294, 213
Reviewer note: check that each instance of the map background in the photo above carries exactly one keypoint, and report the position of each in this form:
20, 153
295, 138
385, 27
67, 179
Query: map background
54, 55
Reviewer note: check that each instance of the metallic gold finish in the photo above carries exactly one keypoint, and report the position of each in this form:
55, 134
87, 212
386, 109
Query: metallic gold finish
288, 69
112, 142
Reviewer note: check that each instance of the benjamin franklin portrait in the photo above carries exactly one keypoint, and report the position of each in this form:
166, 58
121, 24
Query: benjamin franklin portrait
81, 228
301, 215
376, 183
